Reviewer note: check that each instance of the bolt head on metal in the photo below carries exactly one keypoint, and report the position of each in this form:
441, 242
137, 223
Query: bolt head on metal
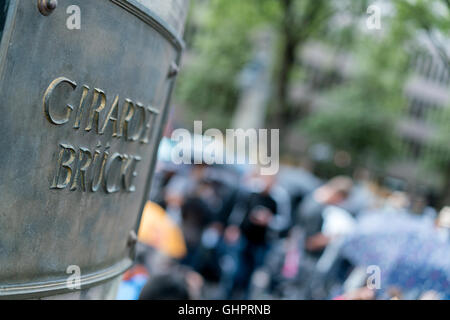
46, 7
173, 70
132, 238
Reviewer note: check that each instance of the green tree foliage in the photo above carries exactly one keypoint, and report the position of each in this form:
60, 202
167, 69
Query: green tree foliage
222, 46
361, 114
220, 49
432, 18
429, 16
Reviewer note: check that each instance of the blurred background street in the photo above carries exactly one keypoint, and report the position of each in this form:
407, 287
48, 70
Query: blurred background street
360, 208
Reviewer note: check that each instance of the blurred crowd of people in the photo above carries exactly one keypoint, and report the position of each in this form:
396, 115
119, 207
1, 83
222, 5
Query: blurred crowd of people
226, 232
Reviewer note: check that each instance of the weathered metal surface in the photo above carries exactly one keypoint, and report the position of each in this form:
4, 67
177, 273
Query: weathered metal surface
173, 12
81, 118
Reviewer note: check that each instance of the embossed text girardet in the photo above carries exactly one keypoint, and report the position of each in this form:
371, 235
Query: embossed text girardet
81, 117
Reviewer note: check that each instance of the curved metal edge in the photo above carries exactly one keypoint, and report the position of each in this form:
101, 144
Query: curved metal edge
152, 19
153, 162
42, 289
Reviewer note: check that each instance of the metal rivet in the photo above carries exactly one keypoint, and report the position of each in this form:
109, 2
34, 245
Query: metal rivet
173, 70
46, 7
132, 239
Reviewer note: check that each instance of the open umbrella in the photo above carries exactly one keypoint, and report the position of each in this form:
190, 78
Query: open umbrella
407, 249
159, 231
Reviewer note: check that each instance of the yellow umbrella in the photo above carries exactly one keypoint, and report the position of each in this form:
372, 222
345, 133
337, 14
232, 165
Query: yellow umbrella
159, 231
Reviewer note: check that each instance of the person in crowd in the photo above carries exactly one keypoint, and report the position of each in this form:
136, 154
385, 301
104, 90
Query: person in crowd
310, 212
164, 173
195, 217
133, 280
177, 283
363, 293
165, 287
253, 214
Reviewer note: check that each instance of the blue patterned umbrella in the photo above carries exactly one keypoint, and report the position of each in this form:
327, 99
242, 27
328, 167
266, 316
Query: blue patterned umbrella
407, 249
